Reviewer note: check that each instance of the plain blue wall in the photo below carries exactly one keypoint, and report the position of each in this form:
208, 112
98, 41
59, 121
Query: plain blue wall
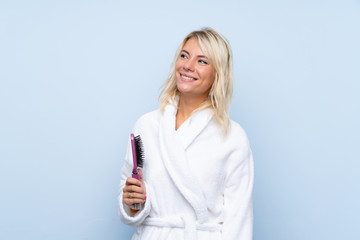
75, 75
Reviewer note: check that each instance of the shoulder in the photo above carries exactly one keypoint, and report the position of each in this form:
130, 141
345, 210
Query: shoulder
147, 126
148, 120
150, 116
240, 151
238, 140
236, 131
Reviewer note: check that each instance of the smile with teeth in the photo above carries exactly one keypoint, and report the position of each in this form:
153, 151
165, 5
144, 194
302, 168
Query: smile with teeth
187, 78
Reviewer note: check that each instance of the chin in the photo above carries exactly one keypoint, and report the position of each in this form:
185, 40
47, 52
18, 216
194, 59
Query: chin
183, 89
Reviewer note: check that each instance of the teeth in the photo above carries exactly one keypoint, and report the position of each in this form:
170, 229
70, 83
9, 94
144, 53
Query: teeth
188, 78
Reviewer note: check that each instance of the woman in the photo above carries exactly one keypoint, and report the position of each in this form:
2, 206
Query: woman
198, 171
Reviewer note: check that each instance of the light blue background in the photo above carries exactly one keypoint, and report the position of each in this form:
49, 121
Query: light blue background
75, 75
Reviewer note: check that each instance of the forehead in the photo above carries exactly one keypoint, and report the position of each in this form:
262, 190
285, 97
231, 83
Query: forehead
193, 47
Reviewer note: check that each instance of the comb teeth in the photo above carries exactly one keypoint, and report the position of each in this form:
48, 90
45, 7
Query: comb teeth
139, 149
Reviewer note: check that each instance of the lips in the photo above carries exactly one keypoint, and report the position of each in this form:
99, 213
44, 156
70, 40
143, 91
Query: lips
187, 78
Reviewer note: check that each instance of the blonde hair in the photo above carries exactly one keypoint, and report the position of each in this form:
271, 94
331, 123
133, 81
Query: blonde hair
218, 50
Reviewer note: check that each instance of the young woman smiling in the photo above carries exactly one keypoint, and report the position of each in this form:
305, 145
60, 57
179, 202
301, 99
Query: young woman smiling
197, 177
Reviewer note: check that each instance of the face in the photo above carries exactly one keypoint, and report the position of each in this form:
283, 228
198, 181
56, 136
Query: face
194, 72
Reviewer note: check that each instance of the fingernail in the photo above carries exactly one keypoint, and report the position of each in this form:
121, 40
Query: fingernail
145, 197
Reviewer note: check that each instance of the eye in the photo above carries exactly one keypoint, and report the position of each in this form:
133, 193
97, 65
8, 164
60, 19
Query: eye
182, 55
203, 62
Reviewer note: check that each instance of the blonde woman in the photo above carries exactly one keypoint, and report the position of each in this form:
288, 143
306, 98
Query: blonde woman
197, 177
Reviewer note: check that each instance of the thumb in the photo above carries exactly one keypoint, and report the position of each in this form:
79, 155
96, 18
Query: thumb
142, 180
141, 175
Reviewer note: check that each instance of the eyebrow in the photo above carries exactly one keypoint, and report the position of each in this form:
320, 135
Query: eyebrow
200, 56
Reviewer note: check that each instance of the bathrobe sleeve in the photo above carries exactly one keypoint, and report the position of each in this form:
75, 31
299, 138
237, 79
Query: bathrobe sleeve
124, 210
238, 211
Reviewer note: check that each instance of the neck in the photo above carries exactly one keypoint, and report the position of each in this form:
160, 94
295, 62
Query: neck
186, 106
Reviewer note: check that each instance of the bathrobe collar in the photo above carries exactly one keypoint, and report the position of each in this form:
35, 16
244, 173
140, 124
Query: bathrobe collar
173, 145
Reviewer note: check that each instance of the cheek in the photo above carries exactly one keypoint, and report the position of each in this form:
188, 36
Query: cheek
177, 73
178, 65
211, 78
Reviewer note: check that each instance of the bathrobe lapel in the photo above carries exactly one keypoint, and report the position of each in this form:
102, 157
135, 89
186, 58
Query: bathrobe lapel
173, 145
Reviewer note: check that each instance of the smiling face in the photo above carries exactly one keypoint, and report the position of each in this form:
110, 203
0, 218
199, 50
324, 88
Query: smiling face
194, 72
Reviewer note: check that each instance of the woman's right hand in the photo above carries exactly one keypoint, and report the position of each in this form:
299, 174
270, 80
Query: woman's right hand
134, 191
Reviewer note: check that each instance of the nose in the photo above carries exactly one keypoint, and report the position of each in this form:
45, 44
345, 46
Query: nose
189, 65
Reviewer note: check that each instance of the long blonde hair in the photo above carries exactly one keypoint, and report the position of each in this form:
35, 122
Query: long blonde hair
218, 50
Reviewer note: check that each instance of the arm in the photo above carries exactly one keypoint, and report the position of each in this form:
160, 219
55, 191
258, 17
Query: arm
124, 210
238, 211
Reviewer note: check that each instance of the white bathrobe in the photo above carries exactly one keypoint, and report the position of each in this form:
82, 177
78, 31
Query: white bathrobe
198, 182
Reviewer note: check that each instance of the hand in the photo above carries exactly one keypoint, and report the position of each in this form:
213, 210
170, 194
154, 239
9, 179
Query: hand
134, 191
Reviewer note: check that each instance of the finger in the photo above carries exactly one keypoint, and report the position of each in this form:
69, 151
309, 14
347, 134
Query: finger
141, 174
131, 201
134, 188
142, 179
132, 181
134, 195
